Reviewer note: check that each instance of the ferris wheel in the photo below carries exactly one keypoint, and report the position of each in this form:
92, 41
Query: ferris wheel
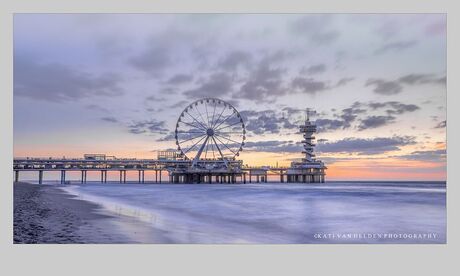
210, 129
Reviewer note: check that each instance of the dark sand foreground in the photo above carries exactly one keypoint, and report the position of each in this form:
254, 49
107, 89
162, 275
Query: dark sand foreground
45, 214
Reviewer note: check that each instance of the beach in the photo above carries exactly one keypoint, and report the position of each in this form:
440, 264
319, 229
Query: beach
272, 213
46, 214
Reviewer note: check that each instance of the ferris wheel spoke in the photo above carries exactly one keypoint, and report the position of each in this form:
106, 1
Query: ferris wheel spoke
227, 126
220, 115
191, 138
223, 121
201, 116
225, 145
183, 131
229, 132
213, 153
193, 125
195, 144
207, 115
228, 139
217, 146
203, 126
213, 113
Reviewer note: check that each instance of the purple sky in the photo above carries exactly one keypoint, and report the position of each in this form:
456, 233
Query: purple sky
116, 83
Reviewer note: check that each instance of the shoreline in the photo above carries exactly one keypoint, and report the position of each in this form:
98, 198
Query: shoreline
47, 214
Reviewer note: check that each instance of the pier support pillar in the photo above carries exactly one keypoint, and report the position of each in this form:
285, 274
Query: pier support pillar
16, 176
258, 178
62, 176
82, 176
124, 176
244, 178
121, 173
160, 176
40, 177
250, 177
156, 176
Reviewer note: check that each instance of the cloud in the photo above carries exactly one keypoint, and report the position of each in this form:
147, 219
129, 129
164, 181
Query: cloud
57, 82
316, 28
368, 146
180, 79
110, 119
168, 137
218, 84
395, 46
148, 126
343, 120
395, 107
265, 122
375, 121
273, 146
153, 60
343, 81
235, 59
384, 87
308, 85
413, 79
428, 156
441, 124
325, 125
264, 83
314, 69
182, 103
154, 98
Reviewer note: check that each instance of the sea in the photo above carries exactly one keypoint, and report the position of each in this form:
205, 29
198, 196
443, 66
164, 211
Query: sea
280, 213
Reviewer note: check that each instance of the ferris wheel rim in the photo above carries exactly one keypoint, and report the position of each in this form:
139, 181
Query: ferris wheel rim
211, 131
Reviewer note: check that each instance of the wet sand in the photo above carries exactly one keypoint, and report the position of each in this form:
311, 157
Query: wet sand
46, 214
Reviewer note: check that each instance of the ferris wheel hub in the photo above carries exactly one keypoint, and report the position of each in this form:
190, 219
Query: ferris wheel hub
210, 132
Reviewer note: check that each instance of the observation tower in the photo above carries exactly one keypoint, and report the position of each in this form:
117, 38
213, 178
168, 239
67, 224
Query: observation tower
308, 169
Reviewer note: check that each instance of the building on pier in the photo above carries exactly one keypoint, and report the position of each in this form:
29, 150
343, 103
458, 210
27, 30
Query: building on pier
308, 169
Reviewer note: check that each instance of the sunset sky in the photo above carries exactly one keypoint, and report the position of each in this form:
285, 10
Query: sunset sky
116, 84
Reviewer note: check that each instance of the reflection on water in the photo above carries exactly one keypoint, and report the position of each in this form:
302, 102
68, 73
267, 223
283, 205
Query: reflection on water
281, 213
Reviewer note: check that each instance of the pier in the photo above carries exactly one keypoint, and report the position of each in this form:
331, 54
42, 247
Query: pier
208, 145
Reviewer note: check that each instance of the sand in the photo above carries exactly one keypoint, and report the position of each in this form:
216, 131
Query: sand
46, 214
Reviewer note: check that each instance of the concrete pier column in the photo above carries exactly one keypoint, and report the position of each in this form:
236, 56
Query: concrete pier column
210, 179
40, 176
82, 176
281, 178
62, 176
160, 176
244, 178
266, 178
121, 173
250, 177
124, 176
143, 176
105, 176
16, 176
258, 178
139, 171
102, 176
85, 175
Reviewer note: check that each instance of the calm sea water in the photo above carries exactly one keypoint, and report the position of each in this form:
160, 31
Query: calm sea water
340, 212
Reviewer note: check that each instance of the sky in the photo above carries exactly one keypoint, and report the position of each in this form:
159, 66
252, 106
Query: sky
117, 83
